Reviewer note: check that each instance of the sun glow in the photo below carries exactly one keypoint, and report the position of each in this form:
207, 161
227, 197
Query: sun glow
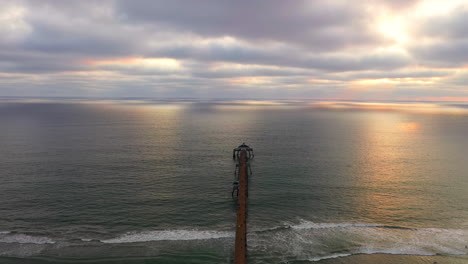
437, 7
395, 29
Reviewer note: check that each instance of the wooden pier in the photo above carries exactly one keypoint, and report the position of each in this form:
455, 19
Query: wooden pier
244, 154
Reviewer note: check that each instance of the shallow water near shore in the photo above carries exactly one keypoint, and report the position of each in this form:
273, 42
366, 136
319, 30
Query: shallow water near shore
149, 181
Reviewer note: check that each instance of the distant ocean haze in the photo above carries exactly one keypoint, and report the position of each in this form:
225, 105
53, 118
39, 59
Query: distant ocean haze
151, 180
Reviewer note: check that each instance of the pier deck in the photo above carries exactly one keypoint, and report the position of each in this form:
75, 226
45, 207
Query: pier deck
241, 227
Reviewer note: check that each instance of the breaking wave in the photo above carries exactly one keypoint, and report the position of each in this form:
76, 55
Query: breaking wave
9, 237
330, 257
169, 235
303, 240
312, 225
316, 241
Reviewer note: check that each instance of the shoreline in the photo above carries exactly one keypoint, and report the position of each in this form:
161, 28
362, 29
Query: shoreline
379, 258
382, 258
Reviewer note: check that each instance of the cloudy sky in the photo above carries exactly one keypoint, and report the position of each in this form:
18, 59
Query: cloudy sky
366, 50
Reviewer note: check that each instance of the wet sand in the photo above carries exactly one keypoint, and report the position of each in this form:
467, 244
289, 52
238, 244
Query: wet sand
396, 259
356, 259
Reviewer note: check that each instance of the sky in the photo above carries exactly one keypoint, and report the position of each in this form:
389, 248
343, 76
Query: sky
262, 49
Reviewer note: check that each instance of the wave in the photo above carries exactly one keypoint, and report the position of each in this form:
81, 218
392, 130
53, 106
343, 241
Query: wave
316, 241
303, 240
389, 252
311, 225
9, 237
329, 257
333, 256
168, 235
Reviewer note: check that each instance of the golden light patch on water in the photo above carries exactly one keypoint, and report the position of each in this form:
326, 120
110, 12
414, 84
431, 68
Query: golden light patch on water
258, 104
382, 164
409, 127
253, 102
422, 108
443, 99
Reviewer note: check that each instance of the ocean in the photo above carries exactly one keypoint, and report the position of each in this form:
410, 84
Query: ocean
149, 181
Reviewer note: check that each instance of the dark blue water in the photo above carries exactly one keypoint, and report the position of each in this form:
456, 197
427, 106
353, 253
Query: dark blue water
149, 181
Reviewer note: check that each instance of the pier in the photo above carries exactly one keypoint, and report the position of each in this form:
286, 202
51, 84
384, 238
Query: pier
243, 154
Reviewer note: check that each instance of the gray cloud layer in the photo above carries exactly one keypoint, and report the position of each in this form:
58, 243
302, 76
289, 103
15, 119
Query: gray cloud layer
319, 25
81, 47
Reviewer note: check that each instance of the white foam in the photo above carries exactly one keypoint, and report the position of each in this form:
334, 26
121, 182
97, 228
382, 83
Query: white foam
316, 241
311, 225
397, 252
329, 257
168, 235
4, 232
418, 253
25, 239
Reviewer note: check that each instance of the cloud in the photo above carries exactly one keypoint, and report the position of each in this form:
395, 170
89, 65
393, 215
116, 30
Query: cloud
444, 54
56, 29
232, 70
319, 25
211, 48
443, 38
13, 26
458, 80
451, 25
405, 73
236, 51
20, 61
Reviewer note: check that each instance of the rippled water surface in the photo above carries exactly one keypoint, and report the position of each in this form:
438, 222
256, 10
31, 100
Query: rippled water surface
150, 180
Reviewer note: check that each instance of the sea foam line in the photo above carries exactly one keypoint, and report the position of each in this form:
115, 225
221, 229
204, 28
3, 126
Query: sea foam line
370, 253
8, 237
329, 257
312, 225
168, 235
